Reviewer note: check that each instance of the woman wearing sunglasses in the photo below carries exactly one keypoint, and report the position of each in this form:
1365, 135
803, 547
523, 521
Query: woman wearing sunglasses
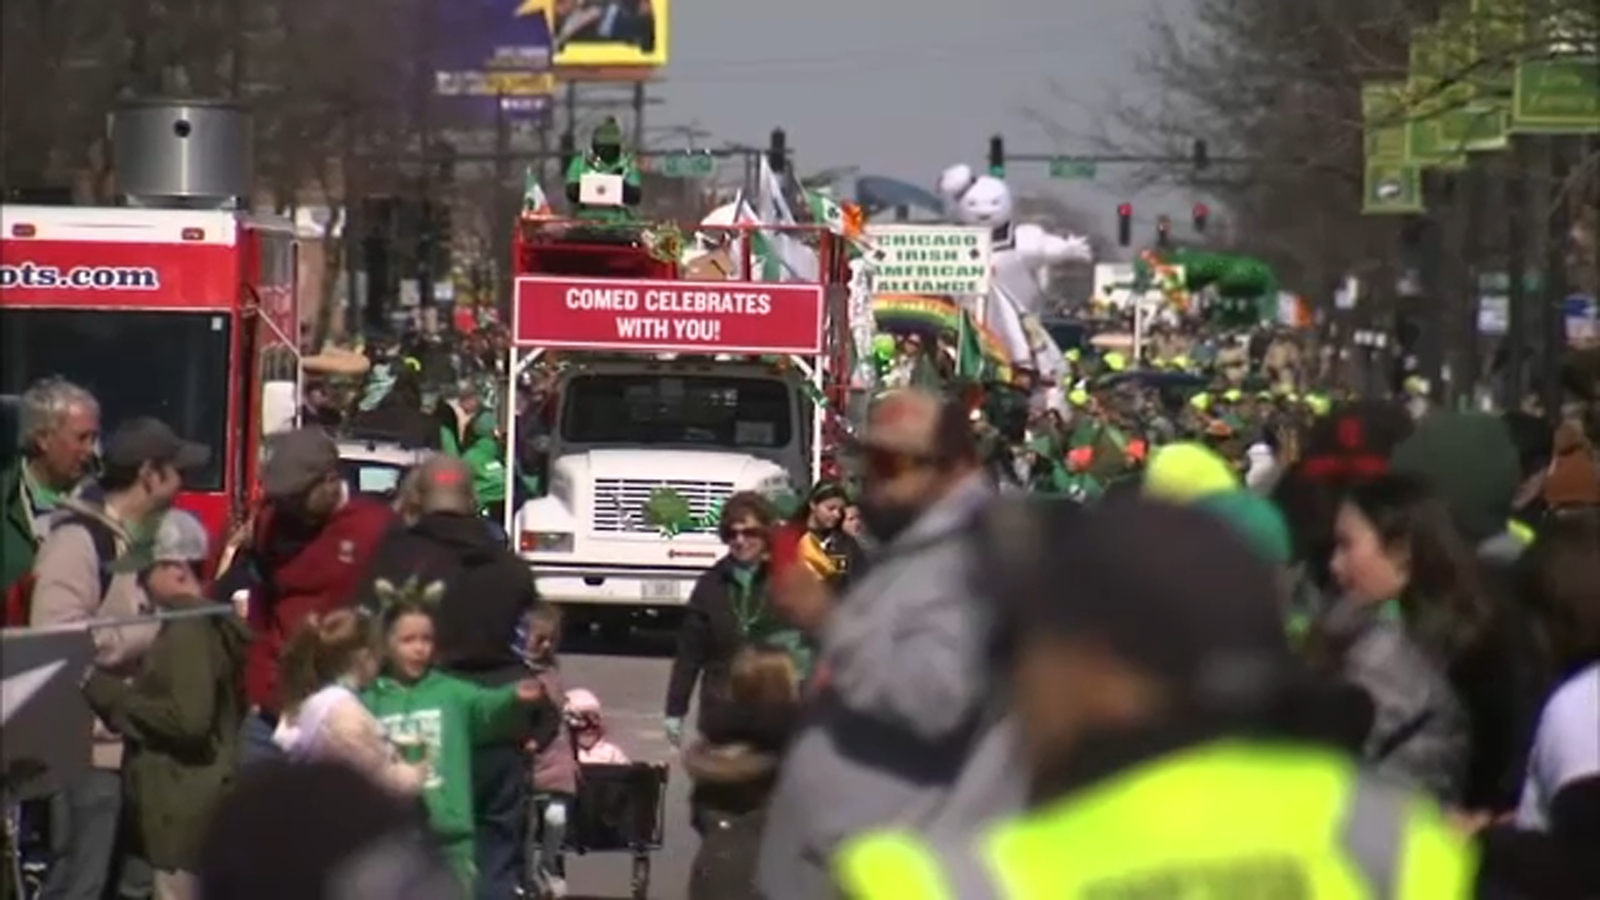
728, 609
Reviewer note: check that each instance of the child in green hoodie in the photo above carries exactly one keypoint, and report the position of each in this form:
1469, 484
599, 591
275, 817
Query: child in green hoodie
440, 718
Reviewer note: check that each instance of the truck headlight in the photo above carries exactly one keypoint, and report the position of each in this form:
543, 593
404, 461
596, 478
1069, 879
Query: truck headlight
545, 542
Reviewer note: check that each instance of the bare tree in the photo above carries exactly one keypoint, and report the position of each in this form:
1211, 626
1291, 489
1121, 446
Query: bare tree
60, 68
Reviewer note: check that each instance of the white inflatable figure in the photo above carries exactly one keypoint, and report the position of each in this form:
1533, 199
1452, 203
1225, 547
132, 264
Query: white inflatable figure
1022, 254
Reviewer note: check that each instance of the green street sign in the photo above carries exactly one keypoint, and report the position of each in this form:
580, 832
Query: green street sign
686, 165
1072, 169
1498, 283
1560, 95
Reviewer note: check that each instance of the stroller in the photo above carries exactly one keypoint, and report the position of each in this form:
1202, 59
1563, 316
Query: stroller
618, 809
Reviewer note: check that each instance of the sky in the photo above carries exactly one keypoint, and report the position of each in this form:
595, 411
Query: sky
906, 87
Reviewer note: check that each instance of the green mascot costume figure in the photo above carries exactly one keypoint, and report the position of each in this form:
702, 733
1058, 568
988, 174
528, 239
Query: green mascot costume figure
605, 157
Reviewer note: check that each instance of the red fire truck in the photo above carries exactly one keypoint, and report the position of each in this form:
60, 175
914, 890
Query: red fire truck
186, 315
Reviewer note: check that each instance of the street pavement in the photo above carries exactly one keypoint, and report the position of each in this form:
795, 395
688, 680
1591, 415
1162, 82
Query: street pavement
630, 678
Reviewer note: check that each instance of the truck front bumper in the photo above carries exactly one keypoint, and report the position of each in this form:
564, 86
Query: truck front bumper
613, 585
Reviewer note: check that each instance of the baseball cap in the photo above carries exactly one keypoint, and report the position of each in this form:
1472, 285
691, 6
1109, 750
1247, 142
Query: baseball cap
296, 460
1171, 590
179, 538
145, 439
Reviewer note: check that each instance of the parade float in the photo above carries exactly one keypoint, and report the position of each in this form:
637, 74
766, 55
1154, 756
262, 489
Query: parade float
690, 368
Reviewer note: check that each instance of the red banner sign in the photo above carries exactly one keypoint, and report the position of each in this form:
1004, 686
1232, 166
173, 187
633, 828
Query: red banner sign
668, 316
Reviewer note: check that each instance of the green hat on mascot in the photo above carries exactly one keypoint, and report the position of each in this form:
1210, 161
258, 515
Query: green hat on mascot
607, 134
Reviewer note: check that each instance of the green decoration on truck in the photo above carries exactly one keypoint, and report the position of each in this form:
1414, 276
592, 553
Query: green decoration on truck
669, 511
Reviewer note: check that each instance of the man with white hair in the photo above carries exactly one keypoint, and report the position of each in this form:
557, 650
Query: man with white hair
59, 430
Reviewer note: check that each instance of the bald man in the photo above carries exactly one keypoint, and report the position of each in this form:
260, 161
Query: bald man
488, 589
904, 721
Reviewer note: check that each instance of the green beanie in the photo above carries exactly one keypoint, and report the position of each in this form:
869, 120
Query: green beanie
607, 134
1254, 518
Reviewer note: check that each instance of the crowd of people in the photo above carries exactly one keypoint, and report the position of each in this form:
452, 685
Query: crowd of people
1255, 642
1372, 670
401, 643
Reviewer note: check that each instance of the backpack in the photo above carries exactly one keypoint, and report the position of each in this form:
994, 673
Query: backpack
19, 597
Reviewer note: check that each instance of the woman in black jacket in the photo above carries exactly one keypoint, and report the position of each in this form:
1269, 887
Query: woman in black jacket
727, 610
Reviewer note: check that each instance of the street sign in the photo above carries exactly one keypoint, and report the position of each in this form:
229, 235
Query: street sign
686, 165
1072, 169
1557, 96
929, 259
1499, 282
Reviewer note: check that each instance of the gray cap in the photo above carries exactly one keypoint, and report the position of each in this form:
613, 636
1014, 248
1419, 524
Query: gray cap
179, 538
297, 460
149, 440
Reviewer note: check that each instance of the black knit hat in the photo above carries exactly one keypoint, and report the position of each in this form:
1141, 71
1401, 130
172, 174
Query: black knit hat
1171, 590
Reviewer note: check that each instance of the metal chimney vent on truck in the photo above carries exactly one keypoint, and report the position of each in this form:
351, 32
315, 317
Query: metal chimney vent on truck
183, 154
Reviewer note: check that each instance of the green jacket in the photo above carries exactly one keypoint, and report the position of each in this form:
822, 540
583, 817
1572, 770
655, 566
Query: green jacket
17, 545
449, 716
485, 461
181, 715
587, 164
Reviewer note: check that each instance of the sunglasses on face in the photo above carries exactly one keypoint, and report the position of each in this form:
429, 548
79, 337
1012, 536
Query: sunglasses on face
885, 464
739, 534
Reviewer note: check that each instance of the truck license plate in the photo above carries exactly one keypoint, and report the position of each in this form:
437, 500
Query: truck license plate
660, 591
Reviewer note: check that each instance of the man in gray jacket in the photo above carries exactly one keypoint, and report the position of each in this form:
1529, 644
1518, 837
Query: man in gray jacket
903, 723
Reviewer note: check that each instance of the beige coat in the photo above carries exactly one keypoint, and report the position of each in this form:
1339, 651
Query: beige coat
66, 590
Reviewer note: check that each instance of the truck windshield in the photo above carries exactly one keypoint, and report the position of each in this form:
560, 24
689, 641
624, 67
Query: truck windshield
699, 410
171, 365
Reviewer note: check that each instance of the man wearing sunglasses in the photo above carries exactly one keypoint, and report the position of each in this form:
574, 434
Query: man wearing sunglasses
901, 728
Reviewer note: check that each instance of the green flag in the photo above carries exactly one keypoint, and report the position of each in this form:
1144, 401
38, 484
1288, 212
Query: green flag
970, 362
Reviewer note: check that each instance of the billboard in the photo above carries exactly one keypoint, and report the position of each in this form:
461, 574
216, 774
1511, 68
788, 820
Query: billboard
668, 316
490, 55
605, 33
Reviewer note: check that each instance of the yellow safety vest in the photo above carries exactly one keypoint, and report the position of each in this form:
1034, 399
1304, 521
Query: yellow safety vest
1229, 820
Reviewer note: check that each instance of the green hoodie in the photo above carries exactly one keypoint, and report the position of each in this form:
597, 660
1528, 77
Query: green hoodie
449, 716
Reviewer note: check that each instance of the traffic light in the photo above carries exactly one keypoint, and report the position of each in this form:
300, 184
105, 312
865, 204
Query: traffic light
997, 156
1124, 224
1201, 214
778, 150
1163, 231
1202, 155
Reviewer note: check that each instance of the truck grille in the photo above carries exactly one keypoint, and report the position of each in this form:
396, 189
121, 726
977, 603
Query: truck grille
619, 502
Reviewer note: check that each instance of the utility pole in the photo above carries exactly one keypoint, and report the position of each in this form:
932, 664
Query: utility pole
1475, 187
423, 249
500, 227
1516, 270
1554, 317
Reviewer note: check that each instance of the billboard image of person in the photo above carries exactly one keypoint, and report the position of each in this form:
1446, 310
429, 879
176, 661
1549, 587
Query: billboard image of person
609, 32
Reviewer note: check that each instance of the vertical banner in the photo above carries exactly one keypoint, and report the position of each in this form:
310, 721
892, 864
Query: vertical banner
1392, 184
1498, 36
1430, 91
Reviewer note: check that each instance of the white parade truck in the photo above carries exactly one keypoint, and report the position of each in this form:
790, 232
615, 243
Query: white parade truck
668, 396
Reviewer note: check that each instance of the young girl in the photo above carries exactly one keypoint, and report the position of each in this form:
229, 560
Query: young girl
441, 718
733, 768
325, 664
555, 765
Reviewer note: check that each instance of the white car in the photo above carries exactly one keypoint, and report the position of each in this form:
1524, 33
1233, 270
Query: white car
375, 468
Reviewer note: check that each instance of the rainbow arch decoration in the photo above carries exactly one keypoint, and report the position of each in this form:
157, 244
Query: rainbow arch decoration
931, 315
